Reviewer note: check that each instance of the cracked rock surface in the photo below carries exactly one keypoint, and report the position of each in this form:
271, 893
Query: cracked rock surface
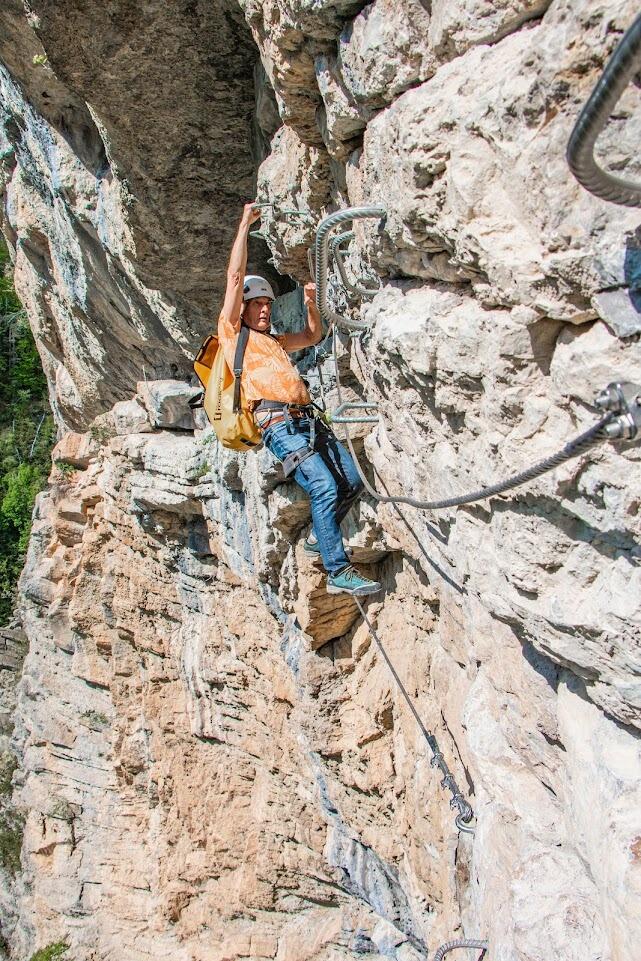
215, 762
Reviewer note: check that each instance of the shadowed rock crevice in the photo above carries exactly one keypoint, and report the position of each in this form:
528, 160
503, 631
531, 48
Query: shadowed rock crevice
173, 90
147, 161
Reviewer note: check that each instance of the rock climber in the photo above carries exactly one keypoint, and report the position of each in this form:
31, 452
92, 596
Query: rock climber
284, 414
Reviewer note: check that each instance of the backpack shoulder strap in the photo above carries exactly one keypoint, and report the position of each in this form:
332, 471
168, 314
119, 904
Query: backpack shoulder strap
241, 346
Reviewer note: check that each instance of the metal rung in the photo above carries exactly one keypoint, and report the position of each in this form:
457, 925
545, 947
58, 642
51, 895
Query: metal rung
287, 211
338, 418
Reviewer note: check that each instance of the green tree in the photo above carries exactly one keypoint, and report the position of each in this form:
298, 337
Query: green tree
26, 435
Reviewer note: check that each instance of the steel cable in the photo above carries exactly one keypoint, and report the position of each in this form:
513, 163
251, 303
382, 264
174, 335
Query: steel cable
465, 813
623, 64
573, 448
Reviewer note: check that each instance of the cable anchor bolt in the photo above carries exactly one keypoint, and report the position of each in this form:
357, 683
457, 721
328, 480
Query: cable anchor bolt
624, 400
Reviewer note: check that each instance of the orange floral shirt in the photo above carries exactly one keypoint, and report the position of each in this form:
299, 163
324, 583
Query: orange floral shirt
268, 373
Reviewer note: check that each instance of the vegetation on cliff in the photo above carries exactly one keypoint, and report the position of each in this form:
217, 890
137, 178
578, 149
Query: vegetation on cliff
26, 435
53, 952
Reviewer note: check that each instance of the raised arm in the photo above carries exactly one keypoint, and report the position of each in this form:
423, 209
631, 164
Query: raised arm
237, 267
312, 332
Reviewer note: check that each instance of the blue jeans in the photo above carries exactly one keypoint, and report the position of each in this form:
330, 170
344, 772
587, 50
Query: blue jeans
330, 478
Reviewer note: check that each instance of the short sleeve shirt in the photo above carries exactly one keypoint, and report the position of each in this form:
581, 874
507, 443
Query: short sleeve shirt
268, 373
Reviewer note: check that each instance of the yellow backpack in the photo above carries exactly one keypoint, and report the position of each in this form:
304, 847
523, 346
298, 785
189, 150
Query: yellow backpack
224, 400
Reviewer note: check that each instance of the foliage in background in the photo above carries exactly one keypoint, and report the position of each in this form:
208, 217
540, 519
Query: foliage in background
26, 435
52, 952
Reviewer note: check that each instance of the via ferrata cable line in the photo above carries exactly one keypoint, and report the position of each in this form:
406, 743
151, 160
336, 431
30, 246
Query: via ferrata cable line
465, 813
583, 442
621, 402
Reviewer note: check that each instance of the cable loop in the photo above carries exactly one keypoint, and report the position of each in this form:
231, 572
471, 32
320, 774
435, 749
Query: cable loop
621, 67
322, 259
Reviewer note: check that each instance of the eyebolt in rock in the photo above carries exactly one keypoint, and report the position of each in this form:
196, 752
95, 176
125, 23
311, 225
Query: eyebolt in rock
622, 66
322, 259
623, 400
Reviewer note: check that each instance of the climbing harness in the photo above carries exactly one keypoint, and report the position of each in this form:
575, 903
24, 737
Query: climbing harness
621, 68
317, 425
461, 943
465, 815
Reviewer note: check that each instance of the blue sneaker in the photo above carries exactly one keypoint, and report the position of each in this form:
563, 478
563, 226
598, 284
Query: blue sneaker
349, 581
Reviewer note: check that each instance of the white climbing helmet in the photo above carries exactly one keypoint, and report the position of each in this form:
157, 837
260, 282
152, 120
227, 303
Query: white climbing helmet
256, 287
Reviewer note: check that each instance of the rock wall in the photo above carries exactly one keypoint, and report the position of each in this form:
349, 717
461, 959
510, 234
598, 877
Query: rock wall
124, 158
216, 762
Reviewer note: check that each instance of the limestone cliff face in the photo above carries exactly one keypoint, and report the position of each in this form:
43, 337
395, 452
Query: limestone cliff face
216, 762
